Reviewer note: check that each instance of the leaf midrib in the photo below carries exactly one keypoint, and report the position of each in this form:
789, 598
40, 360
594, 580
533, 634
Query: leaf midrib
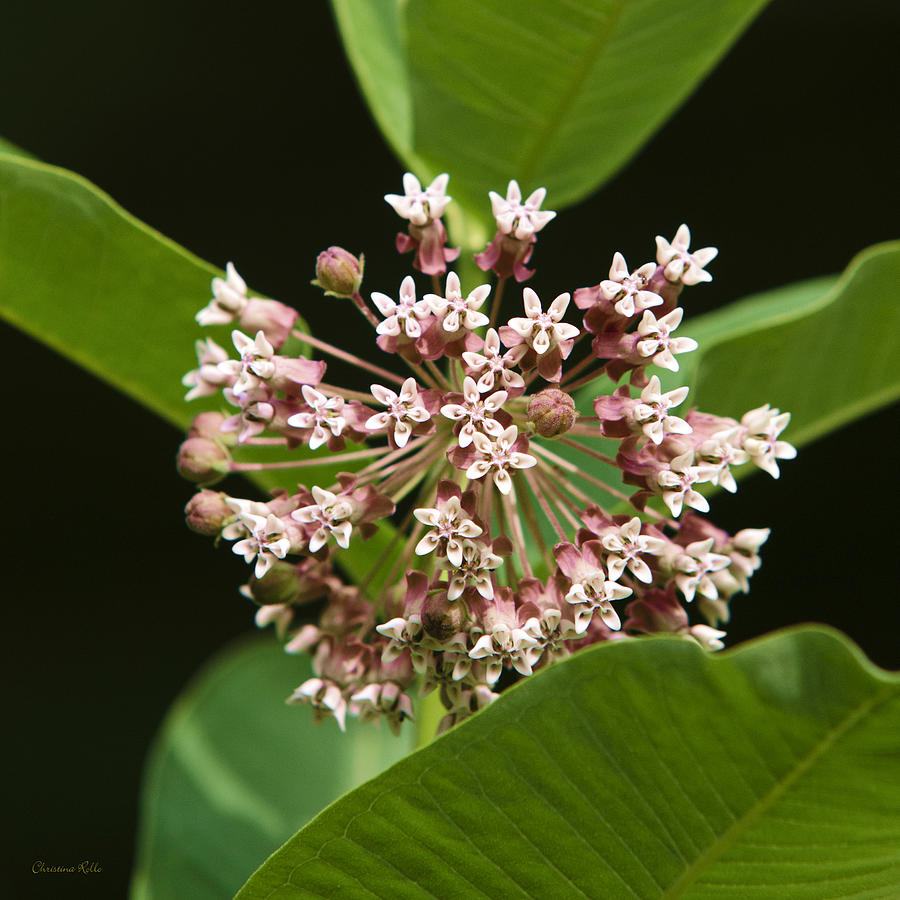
730, 836
550, 130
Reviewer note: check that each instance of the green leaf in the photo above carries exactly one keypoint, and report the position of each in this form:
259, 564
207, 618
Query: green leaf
555, 94
11, 149
84, 276
235, 772
644, 768
825, 350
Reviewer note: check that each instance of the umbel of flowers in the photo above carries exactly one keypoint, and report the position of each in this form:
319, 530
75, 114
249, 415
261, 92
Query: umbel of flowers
518, 527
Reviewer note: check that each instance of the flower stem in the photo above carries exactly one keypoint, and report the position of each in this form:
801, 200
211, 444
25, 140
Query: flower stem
346, 357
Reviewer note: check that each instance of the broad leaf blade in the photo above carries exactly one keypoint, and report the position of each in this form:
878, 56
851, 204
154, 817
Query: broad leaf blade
825, 351
235, 772
555, 94
97, 285
645, 768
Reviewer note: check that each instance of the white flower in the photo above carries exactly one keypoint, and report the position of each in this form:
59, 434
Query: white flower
489, 364
403, 316
628, 288
417, 205
266, 542
693, 567
680, 265
520, 220
656, 341
543, 330
763, 427
326, 699
475, 412
448, 523
499, 457
625, 544
208, 378
326, 416
652, 413
677, 484
403, 408
331, 512
460, 313
255, 364
477, 562
719, 452
708, 638
521, 647
229, 299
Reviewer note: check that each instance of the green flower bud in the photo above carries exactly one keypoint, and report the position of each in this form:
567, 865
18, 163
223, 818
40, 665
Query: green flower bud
338, 272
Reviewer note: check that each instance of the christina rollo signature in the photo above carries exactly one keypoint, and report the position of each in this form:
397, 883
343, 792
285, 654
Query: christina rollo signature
83, 868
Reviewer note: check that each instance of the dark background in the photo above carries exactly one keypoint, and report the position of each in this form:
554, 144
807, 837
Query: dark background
240, 133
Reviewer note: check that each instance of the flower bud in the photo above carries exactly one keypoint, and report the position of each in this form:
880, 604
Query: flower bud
552, 412
441, 618
279, 585
207, 513
338, 272
202, 460
208, 425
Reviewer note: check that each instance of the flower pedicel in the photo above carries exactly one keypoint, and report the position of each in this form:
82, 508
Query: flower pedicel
513, 540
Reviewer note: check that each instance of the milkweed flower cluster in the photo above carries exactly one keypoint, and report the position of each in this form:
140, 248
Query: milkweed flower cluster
536, 487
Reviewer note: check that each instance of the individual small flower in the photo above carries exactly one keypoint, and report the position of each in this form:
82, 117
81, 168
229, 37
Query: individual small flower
456, 312
404, 316
490, 364
540, 330
325, 697
498, 457
450, 525
330, 512
387, 700
656, 342
764, 425
229, 299
591, 590
418, 205
474, 412
326, 415
677, 484
208, 379
267, 541
680, 265
625, 545
628, 289
518, 646
651, 414
403, 408
521, 220
721, 451
474, 570
693, 566
257, 411
255, 363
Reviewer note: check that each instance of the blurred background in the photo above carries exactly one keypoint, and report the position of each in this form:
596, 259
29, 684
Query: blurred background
239, 132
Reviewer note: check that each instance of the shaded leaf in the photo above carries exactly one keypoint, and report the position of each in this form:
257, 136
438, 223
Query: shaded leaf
235, 772
555, 94
643, 768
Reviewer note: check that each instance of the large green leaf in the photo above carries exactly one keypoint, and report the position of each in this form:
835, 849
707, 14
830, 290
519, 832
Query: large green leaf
235, 772
643, 768
826, 349
561, 94
82, 275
